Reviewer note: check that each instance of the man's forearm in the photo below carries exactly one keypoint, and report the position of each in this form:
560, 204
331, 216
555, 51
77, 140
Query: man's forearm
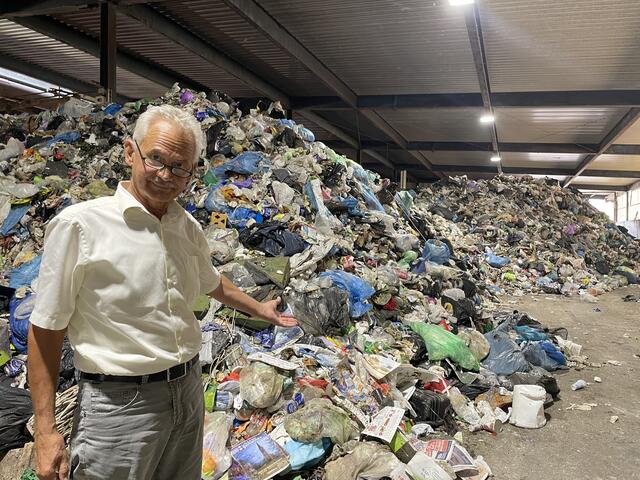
233, 297
45, 347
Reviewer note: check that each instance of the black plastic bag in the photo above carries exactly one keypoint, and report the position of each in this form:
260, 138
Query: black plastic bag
320, 311
272, 238
15, 411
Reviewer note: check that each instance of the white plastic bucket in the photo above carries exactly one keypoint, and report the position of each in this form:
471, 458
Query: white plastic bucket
528, 406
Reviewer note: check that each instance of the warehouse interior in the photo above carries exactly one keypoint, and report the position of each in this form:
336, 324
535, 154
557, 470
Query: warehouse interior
499, 124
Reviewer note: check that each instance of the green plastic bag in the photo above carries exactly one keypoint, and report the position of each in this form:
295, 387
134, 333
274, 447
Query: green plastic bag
442, 344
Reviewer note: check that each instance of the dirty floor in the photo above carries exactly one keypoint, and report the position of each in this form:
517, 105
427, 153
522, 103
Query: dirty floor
574, 445
577, 445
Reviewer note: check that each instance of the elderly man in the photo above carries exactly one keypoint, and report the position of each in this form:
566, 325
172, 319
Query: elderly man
120, 274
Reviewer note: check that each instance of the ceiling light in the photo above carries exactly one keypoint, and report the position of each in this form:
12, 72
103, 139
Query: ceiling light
460, 2
496, 158
488, 118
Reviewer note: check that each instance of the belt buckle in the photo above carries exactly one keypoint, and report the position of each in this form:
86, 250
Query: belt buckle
171, 378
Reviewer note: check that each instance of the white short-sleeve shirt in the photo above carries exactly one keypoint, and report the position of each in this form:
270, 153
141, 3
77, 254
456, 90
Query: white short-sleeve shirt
123, 283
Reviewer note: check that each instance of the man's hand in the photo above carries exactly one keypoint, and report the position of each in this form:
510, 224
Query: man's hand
52, 458
270, 313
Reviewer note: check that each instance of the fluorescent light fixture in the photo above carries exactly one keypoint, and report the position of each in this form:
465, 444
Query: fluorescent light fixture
496, 158
28, 84
487, 118
455, 3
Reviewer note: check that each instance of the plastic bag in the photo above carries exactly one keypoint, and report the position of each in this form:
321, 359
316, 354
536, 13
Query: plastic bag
545, 355
305, 455
442, 344
246, 163
406, 242
530, 334
19, 312
15, 411
359, 290
260, 384
321, 310
223, 243
26, 273
216, 458
436, 252
320, 418
476, 342
13, 148
274, 239
283, 194
504, 357
13, 218
370, 199
367, 461
496, 261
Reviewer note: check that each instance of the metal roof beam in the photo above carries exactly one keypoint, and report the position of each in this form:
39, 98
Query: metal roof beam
159, 23
585, 98
604, 188
28, 8
266, 24
474, 31
535, 171
622, 126
81, 41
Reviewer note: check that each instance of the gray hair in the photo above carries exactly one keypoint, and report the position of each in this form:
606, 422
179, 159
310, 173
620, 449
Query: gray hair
182, 118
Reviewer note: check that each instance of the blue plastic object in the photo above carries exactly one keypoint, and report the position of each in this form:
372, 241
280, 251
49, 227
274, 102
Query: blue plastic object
530, 334
247, 163
306, 455
351, 204
15, 215
436, 252
25, 273
306, 134
359, 291
240, 216
19, 313
68, 137
545, 355
496, 261
371, 200
112, 109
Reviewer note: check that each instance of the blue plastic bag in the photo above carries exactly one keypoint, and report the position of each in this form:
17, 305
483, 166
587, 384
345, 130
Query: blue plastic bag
545, 355
306, 134
112, 109
496, 261
15, 215
25, 273
530, 334
306, 455
370, 199
436, 251
359, 291
247, 163
240, 216
351, 204
505, 357
68, 137
19, 313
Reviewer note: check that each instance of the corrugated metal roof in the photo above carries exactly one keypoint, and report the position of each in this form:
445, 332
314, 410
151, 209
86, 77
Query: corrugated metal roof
631, 136
220, 25
561, 45
443, 124
556, 125
346, 121
320, 133
44, 51
387, 46
460, 158
134, 37
616, 162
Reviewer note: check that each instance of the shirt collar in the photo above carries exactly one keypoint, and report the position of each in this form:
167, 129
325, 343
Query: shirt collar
127, 203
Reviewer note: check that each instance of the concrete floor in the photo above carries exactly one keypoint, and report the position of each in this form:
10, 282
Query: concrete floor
577, 445
574, 445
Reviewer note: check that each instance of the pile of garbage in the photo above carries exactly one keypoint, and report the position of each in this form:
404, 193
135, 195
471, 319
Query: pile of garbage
400, 347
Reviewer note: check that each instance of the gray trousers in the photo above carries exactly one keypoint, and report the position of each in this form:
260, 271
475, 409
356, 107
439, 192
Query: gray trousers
139, 432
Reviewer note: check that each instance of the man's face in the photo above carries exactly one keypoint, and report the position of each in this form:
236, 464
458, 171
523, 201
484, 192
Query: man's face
169, 144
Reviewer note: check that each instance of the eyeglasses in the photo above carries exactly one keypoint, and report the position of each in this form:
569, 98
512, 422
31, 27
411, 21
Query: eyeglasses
155, 163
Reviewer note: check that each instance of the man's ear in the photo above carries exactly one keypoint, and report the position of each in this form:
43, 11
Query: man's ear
129, 151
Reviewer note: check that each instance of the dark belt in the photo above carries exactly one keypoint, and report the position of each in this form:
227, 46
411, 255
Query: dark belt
168, 375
